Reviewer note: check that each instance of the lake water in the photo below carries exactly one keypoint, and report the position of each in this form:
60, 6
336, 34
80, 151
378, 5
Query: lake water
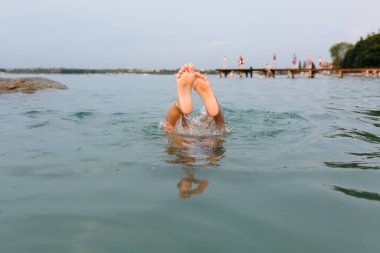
89, 169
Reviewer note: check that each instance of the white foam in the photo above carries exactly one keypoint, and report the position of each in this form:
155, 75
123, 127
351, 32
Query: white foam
199, 125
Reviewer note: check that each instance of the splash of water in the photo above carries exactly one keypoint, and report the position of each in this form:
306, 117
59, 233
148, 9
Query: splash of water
199, 125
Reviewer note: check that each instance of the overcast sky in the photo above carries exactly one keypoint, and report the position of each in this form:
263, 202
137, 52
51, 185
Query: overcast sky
167, 33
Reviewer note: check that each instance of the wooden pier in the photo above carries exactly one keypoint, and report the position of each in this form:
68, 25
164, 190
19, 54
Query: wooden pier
291, 72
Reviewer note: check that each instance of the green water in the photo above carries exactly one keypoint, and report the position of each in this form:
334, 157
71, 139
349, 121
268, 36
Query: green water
89, 169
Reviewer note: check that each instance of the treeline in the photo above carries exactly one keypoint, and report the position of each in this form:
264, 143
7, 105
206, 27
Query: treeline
364, 54
94, 71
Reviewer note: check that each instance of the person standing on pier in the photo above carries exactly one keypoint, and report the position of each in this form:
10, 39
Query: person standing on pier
241, 61
294, 61
309, 63
269, 71
225, 62
274, 62
320, 62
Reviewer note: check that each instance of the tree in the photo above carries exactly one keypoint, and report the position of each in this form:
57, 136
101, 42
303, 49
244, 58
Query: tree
365, 53
338, 52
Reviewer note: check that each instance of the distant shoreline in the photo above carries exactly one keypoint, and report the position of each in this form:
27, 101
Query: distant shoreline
96, 71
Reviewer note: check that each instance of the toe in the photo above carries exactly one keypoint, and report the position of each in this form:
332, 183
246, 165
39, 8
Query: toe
183, 69
198, 75
191, 67
180, 72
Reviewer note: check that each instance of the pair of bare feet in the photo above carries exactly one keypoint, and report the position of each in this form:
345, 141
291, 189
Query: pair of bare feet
188, 79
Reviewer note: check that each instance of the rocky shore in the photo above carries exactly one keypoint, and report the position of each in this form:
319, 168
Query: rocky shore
28, 85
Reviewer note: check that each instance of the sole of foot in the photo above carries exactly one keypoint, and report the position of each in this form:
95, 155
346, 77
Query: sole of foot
185, 79
203, 87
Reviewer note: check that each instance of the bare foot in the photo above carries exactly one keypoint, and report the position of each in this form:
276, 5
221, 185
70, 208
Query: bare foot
185, 80
203, 88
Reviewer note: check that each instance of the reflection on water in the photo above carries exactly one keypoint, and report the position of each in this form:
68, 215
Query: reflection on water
374, 113
357, 134
194, 152
185, 185
370, 116
358, 194
370, 155
351, 165
366, 134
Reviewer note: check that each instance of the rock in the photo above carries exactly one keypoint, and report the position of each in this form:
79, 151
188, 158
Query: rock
28, 85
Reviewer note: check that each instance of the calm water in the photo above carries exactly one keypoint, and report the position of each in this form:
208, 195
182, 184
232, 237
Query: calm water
89, 169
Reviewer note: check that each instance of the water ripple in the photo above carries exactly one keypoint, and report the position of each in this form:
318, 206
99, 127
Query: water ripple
352, 165
357, 194
255, 124
372, 155
82, 115
36, 113
356, 134
39, 125
373, 113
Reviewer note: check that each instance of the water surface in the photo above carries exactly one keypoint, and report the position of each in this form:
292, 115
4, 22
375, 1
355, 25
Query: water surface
89, 169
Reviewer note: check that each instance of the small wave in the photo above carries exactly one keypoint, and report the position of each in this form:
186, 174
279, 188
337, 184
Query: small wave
119, 118
39, 125
373, 113
351, 165
252, 114
270, 133
119, 122
119, 114
253, 124
32, 112
370, 116
357, 134
37, 113
357, 194
333, 108
370, 155
82, 115
152, 131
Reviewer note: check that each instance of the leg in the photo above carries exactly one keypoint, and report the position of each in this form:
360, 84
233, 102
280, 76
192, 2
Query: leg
183, 105
203, 87
219, 120
172, 116
185, 80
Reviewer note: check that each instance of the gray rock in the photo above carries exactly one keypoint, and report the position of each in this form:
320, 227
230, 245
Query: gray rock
28, 85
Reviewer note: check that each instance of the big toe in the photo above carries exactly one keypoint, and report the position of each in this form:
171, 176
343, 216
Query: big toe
191, 68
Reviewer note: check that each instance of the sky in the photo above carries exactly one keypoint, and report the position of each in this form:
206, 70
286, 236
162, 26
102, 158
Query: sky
168, 33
